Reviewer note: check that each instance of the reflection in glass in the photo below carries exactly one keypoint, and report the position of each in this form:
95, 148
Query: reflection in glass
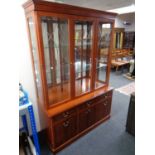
55, 41
83, 50
102, 54
35, 59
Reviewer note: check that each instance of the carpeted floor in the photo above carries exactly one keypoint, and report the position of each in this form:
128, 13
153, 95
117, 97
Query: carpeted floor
109, 138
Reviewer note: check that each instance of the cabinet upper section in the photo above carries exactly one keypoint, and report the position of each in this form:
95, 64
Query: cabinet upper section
39, 5
70, 49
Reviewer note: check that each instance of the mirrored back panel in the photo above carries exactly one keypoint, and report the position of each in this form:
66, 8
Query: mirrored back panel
82, 54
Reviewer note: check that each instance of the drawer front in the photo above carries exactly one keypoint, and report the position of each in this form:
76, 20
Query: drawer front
85, 105
64, 115
90, 103
105, 96
65, 130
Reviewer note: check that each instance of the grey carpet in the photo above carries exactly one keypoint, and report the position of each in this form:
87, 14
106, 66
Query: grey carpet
109, 138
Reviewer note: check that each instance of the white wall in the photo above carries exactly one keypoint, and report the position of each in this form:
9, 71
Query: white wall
25, 64
130, 17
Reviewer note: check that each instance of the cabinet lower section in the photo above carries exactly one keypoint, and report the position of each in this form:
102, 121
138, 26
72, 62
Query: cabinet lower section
69, 125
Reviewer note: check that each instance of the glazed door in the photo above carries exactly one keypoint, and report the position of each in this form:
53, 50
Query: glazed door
83, 48
55, 34
35, 57
104, 31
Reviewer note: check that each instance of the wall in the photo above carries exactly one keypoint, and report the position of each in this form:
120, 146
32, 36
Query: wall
130, 17
25, 64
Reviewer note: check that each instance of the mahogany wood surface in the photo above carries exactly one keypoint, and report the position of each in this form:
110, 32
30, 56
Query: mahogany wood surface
56, 95
80, 120
70, 104
79, 135
78, 105
33, 5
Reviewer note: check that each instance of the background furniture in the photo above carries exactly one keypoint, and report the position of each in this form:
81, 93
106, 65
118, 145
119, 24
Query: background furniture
118, 64
121, 58
129, 40
123, 45
71, 54
118, 38
130, 124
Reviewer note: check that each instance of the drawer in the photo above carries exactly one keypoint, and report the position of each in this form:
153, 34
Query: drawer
87, 104
103, 100
98, 99
64, 115
105, 96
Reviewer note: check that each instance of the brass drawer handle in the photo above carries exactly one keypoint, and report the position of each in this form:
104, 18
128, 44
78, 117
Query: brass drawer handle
66, 114
89, 103
106, 96
105, 103
66, 124
88, 111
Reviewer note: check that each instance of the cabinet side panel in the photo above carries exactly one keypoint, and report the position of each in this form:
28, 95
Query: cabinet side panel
36, 67
35, 58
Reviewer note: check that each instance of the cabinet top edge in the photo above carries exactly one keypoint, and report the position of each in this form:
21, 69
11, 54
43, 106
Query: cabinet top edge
73, 103
39, 5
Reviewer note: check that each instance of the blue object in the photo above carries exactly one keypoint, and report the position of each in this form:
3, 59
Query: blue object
25, 107
34, 131
23, 96
26, 112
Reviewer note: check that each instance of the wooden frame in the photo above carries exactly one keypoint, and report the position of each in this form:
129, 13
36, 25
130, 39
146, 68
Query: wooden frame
37, 9
84, 19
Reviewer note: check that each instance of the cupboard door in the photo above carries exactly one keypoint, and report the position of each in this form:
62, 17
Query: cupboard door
83, 52
102, 109
104, 34
56, 55
86, 119
65, 131
108, 107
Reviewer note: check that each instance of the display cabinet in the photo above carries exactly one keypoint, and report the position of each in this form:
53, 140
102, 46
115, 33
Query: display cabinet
129, 40
118, 38
71, 54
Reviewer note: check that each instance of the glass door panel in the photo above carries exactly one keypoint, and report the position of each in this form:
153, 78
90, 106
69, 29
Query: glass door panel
35, 58
83, 52
56, 54
104, 32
